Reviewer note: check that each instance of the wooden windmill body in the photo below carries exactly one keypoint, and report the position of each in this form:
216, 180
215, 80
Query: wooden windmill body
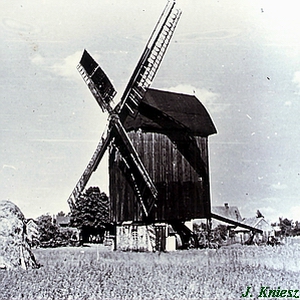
172, 154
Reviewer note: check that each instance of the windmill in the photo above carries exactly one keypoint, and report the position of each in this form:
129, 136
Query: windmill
157, 143
116, 135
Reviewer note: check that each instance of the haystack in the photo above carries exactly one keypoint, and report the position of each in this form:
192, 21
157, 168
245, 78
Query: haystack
15, 251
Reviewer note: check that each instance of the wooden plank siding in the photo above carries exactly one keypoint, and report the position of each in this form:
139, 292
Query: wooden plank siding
182, 195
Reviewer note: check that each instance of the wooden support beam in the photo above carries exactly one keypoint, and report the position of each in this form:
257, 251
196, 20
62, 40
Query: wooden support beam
236, 223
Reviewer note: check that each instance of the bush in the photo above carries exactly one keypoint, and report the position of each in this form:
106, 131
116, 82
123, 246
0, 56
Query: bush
51, 235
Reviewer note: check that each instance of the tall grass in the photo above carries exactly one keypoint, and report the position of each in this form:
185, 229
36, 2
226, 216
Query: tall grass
88, 273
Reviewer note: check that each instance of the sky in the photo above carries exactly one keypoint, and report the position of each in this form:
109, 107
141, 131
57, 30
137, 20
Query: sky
240, 58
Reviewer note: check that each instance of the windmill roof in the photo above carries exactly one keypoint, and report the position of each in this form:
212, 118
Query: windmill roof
182, 109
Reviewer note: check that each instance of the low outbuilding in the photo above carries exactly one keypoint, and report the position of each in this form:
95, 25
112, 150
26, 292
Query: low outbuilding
246, 236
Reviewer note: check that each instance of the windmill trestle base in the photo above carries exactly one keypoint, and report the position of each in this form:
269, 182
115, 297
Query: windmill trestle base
146, 238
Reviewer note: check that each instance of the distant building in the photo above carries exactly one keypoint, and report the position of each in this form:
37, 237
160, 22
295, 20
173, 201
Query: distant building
243, 235
228, 212
62, 221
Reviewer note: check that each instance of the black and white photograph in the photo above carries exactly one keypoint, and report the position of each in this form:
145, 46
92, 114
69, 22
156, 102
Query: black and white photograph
149, 149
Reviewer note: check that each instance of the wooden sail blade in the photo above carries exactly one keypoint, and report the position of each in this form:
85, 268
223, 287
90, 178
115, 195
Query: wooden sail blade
135, 183
134, 169
91, 167
97, 81
150, 60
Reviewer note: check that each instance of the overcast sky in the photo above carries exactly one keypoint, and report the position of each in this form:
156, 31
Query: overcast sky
240, 58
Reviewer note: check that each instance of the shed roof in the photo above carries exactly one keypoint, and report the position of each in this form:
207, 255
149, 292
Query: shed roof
182, 109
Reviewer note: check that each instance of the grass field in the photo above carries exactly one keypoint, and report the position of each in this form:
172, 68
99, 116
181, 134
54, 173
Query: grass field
97, 273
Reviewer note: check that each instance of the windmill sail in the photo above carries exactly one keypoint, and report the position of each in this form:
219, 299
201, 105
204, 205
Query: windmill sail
151, 58
97, 81
91, 167
135, 170
104, 92
139, 177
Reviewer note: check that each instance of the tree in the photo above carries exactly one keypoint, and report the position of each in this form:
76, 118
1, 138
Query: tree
48, 231
220, 234
285, 226
91, 214
52, 235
